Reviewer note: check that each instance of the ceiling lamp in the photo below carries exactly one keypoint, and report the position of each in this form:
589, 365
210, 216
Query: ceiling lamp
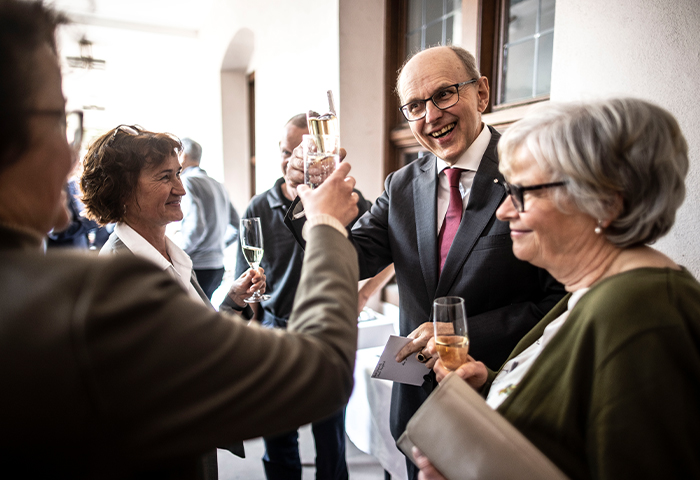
85, 60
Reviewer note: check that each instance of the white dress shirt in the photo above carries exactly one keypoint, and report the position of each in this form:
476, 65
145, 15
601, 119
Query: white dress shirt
469, 161
180, 269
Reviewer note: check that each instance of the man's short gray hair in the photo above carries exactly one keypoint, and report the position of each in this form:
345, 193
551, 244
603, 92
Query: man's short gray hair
192, 149
619, 149
464, 56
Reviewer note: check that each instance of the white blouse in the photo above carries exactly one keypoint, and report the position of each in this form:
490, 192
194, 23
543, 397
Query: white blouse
180, 269
515, 369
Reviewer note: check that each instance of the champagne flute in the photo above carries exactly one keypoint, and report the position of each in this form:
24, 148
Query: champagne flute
321, 154
321, 147
252, 245
450, 327
326, 124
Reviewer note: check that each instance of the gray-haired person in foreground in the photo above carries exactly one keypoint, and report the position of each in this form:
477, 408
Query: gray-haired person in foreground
606, 385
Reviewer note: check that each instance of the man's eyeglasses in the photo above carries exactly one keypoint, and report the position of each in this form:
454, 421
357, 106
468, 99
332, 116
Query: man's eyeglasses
517, 192
71, 124
442, 99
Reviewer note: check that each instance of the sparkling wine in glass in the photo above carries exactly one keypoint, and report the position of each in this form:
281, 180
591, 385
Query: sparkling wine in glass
321, 147
321, 154
252, 245
450, 326
326, 124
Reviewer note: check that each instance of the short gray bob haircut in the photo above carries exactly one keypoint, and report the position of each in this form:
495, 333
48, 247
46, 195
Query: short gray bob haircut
192, 149
618, 149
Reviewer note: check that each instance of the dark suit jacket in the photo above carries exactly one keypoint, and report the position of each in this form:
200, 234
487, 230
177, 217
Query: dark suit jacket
504, 297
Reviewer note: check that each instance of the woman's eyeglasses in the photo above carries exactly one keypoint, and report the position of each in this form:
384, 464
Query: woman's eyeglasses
517, 192
134, 130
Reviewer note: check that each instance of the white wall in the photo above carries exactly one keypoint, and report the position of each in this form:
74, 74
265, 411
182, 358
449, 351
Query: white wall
643, 48
171, 79
295, 60
362, 91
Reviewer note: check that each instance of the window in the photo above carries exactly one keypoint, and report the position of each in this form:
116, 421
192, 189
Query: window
527, 32
413, 25
511, 39
432, 22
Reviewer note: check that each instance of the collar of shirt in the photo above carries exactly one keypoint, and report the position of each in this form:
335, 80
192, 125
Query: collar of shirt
180, 269
276, 197
194, 170
469, 161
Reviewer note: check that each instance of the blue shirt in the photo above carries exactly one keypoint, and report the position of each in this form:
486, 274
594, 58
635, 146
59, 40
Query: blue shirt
209, 223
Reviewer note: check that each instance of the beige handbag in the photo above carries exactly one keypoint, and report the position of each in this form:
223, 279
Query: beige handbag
466, 439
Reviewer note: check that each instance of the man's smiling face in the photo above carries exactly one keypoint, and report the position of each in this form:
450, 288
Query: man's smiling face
446, 133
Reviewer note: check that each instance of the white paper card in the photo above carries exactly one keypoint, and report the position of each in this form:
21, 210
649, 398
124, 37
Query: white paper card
410, 371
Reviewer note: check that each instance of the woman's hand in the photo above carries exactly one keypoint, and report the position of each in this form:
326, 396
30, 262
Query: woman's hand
246, 284
427, 470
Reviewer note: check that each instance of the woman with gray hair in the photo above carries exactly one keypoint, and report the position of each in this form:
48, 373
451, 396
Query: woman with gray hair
606, 385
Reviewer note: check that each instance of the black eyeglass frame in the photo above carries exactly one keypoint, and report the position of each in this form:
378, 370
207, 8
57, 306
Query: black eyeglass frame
432, 99
517, 192
77, 125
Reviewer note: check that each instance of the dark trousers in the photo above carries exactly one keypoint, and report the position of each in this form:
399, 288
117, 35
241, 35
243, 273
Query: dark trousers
282, 462
209, 279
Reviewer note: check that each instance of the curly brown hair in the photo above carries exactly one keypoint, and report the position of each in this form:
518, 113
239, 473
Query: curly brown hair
113, 165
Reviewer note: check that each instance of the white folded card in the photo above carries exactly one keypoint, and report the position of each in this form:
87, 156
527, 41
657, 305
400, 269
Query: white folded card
410, 371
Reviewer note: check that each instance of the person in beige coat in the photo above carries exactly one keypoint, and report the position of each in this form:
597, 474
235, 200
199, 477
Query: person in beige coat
108, 368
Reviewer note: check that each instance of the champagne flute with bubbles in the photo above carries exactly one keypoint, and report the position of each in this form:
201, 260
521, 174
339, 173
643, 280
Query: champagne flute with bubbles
252, 245
450, 325
321, 147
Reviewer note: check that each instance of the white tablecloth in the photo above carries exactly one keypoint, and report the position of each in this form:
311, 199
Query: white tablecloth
367, 413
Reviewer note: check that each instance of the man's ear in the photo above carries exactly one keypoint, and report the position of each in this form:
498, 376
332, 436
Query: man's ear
483, 92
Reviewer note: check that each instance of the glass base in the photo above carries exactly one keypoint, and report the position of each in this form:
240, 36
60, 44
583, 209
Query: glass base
256, 298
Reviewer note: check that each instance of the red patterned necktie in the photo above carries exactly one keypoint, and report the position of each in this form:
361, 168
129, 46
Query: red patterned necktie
453, 216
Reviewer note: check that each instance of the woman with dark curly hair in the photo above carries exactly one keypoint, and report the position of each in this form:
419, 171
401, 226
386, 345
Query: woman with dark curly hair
131, 177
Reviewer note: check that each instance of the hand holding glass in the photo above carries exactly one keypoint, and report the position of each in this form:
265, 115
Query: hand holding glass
252, 245
321, 157
450, 327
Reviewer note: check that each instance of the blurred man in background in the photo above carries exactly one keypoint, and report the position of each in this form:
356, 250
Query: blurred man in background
210, 222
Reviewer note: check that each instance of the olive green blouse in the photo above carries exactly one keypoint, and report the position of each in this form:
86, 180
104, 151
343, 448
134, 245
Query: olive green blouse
616, 393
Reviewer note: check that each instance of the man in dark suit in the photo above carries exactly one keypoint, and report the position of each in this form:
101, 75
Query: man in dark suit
416, 225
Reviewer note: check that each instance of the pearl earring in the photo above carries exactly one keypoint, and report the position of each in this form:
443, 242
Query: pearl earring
599, 228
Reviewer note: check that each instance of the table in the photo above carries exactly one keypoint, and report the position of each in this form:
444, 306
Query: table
367, 413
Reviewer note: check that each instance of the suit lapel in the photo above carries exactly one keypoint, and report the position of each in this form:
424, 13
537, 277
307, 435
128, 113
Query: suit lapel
425, 208
486, 195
